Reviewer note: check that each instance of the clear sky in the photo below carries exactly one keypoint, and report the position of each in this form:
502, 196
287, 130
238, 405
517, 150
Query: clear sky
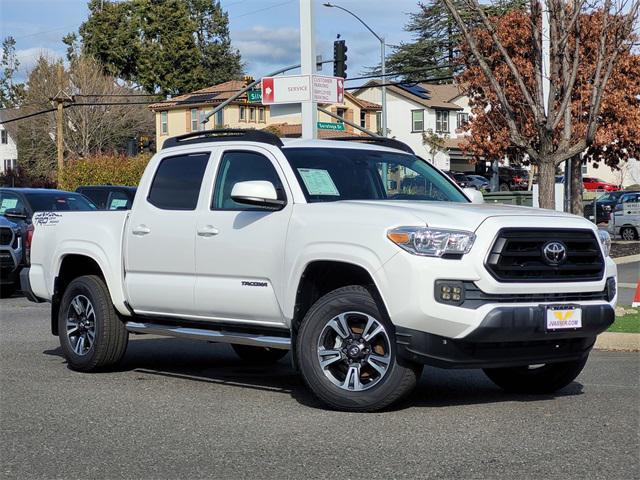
265, 31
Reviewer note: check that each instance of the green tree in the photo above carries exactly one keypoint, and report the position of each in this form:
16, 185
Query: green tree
10, 92
165, 46
436, 41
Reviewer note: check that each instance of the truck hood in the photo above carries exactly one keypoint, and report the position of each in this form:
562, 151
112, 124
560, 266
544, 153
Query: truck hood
459, 216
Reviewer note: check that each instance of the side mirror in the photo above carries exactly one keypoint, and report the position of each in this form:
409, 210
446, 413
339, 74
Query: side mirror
474, 195
258, 193
15, 213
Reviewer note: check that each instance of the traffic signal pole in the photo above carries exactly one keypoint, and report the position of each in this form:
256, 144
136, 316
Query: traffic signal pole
308, 66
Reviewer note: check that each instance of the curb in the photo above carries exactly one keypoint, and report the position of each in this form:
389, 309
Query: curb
627, 259
622, 342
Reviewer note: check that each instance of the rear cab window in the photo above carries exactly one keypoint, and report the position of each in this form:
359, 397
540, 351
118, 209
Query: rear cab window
177, 182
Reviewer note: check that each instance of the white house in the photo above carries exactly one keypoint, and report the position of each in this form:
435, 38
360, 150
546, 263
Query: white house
8, 149
414, 109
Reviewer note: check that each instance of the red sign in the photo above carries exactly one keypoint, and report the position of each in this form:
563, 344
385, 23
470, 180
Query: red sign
267, 90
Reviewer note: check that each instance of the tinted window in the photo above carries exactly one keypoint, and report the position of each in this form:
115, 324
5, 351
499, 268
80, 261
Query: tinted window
177, 182
97, 196
118, 201
242, 167
9, 200
56, 202
330, 174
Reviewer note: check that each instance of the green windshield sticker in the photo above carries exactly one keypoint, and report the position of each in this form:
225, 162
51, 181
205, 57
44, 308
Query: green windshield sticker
8, 203
117, 203
318, 182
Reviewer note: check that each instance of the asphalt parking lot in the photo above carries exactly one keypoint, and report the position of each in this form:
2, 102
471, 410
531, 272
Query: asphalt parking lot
182, 409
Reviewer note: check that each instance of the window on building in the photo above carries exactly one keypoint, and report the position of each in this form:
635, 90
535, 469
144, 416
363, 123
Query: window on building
379, 123
10, 164
463, 119
219, 118
341, 112
4, 137
363, 119
164, 122
417, 120
194, 119
242, 167
252, 114
442, 121
177, 182
243, 113
202, 122
261, 115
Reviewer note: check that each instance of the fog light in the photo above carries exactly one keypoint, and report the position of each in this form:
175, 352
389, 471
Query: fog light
611, 288
450, 292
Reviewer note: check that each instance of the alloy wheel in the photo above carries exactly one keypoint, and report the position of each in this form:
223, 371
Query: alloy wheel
81, 325
354, 351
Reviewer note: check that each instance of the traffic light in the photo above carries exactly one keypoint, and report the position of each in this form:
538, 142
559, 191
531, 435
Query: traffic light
340, 59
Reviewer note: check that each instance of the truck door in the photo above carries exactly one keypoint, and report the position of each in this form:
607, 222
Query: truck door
160, 238
240, 248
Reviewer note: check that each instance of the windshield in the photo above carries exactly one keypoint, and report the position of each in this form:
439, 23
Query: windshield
331, 174
47, 202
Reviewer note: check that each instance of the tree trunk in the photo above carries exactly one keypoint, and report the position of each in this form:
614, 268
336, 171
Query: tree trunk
547, 184
577, 207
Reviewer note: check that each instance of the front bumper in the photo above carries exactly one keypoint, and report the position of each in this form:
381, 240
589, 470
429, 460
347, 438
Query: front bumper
507, 337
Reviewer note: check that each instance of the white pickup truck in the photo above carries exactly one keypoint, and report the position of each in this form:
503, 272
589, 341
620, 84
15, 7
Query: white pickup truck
362, 259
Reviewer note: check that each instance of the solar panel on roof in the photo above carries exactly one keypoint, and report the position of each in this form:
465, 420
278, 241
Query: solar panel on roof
416, 90
198, 98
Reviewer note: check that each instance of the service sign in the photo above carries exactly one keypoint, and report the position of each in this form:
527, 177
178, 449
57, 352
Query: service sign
286, 89
302, 88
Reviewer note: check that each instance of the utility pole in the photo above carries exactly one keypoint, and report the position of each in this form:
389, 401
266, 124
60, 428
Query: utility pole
308, 66
58, 101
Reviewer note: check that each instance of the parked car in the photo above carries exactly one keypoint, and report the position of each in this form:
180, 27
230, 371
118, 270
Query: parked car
626, 216
22, 203
300, 245
604, 206
478, 182
109, 197
595, 184
458, 177
11, 256
511, 179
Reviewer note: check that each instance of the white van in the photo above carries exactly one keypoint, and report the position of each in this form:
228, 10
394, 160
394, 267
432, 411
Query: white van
626, 217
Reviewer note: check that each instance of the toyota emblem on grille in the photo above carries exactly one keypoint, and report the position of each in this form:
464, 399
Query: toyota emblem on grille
554, 252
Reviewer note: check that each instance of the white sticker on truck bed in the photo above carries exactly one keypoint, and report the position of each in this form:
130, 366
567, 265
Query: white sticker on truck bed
318, 182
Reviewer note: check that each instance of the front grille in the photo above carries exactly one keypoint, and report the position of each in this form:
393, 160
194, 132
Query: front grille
6, 235
517, 256
6, 261
474, 297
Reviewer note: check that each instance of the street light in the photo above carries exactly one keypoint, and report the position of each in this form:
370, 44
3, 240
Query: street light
382, 63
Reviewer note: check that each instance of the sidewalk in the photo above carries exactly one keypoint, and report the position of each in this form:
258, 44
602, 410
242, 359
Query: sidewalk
628, 342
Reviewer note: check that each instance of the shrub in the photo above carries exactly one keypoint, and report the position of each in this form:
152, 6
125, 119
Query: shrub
103, 170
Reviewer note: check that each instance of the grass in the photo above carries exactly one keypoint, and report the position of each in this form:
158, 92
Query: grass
628, 323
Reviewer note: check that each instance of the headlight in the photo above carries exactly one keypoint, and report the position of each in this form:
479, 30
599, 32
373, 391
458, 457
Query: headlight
605, 240
431, 242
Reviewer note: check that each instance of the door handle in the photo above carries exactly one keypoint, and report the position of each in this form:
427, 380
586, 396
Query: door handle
208, 231
141, 230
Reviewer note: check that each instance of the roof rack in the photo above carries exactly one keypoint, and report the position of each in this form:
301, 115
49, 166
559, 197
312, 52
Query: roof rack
222, 135
383, 141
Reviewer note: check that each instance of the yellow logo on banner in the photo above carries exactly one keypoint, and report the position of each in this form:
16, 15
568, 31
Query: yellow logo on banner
563, 316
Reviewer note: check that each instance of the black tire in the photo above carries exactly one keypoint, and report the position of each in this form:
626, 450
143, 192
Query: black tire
259, 354
399, 378
504, 187
543, 379
628, 233
110, 335
7, 290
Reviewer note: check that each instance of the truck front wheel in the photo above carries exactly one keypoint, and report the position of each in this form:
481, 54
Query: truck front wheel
91, 333
536, 379
347, 354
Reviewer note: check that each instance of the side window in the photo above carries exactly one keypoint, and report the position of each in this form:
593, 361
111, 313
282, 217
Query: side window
9, 200
241, 167
118, 201
177, 182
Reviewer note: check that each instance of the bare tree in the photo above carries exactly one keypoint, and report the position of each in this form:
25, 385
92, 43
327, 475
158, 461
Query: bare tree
550, 134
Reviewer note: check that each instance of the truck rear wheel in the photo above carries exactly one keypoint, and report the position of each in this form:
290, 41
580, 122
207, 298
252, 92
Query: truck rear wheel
91, 333
536, 378
347, 354
259, 354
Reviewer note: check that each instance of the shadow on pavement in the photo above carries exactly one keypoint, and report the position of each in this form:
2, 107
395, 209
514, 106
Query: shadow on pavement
216, 363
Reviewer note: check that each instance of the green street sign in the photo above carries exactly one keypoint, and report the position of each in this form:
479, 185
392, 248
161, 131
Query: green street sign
254, 96
338, 127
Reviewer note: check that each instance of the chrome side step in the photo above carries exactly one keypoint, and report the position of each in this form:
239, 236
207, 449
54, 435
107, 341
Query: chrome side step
242, 338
